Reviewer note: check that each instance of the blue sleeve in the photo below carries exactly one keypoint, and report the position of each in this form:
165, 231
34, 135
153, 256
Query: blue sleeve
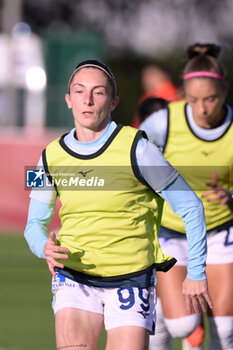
152, 165
156, 126
39, 216
185, 203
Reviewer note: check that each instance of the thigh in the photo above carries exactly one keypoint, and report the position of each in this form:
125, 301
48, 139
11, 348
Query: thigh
169, 284
77, 329
220, 283
169, 290
129, 337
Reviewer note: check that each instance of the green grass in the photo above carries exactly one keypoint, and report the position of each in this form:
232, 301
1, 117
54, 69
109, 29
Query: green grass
25, 301
26, 316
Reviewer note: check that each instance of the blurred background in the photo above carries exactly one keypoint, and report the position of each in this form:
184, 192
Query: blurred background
41, 42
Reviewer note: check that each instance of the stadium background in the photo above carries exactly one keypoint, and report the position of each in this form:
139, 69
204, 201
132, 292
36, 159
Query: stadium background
67, 35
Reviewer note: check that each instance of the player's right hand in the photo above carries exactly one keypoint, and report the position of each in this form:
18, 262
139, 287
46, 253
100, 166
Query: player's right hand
197, 298
52, 251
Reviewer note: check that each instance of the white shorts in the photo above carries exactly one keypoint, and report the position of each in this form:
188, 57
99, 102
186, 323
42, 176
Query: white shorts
126, 306
220, 248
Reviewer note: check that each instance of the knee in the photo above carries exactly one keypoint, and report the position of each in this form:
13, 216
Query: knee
221, 330
161, 340
182, 327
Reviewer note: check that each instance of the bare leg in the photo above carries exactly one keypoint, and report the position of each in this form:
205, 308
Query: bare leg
221, 316
77, 329
128, 338
220, 282
169, 289
179, 323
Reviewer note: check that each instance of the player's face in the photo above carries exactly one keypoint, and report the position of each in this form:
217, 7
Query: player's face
206, 97
90, 99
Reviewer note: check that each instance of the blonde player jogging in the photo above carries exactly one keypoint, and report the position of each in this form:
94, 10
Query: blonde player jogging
196, 137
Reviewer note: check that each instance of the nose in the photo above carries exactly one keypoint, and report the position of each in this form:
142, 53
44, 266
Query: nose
88, 99
202, 107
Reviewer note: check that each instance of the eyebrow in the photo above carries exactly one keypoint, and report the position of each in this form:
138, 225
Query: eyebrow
191, 96
96, 86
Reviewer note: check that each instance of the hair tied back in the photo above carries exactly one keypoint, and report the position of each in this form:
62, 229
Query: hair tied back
203, 49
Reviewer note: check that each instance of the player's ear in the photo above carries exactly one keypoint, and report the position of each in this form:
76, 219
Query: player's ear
114, 103
68, 102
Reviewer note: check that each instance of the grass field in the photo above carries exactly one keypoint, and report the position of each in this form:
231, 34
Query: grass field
26, 317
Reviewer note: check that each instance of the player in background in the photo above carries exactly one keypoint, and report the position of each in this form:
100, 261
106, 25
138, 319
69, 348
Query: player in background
196, 137
195, 339
150, 105
157, 82
105, 258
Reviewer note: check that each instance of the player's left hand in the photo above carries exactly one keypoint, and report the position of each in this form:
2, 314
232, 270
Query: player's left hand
197, 298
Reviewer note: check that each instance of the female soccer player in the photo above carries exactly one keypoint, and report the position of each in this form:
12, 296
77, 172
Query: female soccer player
196, 137
110, 181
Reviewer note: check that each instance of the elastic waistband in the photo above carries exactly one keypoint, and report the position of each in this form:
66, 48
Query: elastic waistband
143, 279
